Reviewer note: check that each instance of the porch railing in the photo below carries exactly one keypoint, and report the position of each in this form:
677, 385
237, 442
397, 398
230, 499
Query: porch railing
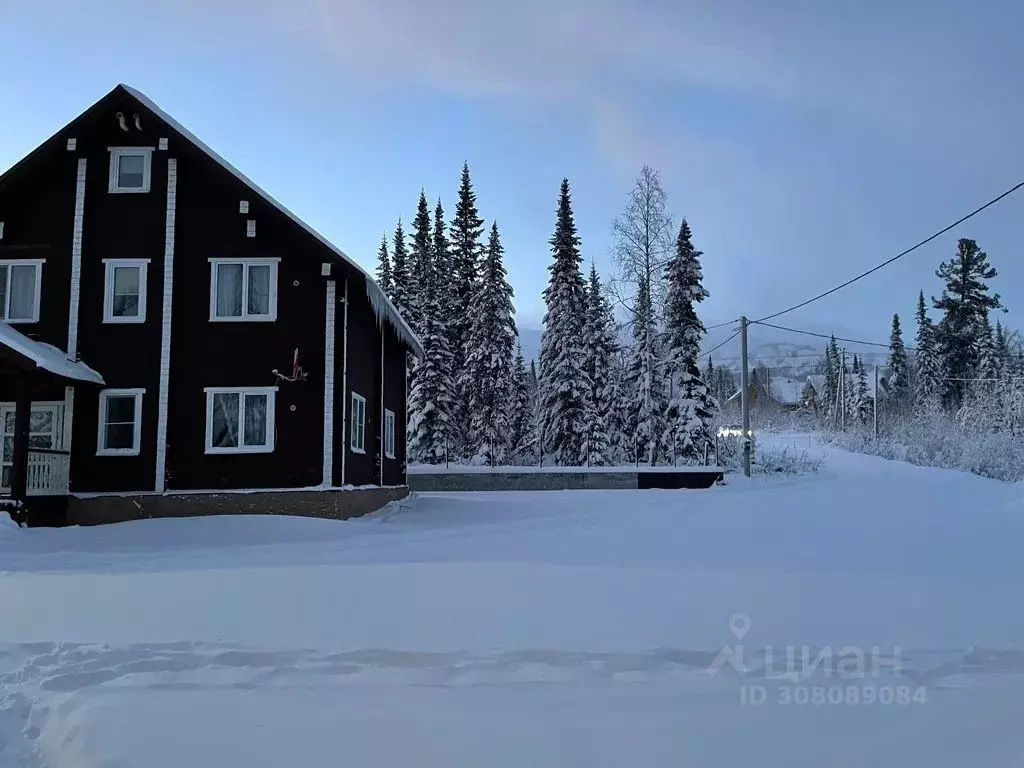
48, 472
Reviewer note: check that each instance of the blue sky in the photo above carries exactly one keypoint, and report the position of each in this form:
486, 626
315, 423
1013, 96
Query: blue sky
804, 141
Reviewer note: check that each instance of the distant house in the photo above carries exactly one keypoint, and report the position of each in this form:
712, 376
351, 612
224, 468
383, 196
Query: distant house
815, 385
781, 392
170, 327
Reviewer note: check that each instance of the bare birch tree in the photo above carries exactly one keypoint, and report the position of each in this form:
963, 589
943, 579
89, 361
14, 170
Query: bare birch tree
643, 244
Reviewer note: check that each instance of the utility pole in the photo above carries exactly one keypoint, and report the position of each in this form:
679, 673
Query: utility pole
876, 402
842, 391
745, 396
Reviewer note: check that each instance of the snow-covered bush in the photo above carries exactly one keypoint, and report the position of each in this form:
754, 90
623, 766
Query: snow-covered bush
939, 440
785, 461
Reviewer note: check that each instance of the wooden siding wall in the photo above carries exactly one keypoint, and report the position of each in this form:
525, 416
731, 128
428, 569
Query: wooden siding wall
120, 226
394, 399
37, 207
363, 378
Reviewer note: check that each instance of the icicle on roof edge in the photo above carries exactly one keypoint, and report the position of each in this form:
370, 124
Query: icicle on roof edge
380, 303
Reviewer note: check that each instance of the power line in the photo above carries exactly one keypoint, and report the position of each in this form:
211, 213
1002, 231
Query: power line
720, 345
886, 263
828, 336
722, 325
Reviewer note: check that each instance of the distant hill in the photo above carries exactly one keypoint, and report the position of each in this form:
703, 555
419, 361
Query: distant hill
787, 354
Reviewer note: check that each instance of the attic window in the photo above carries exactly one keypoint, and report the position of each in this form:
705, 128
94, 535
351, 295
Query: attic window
130, 169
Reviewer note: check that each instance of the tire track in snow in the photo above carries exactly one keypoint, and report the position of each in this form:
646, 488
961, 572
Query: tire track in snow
42, 683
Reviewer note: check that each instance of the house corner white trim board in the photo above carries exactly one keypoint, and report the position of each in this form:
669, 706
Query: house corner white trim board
331, 308
160, 479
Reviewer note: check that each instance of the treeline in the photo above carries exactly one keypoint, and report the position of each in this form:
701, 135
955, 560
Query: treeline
956, 398
618, 376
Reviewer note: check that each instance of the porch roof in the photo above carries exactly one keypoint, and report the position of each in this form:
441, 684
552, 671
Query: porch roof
29, 354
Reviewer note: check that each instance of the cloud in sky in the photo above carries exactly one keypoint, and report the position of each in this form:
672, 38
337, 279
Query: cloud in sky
920, 71
819, 134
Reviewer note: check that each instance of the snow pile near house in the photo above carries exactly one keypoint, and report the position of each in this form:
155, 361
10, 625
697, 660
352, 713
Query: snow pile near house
566, 628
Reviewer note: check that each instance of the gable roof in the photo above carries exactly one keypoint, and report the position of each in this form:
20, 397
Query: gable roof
380, 303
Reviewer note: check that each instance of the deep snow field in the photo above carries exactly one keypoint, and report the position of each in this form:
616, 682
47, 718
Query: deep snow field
571, 628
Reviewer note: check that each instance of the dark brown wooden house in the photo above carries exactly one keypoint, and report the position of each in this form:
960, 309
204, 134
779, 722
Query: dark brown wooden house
170, 330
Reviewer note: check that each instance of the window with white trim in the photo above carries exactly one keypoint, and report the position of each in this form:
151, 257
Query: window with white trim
124, 298
243, 290
130, 169
358, 439
120, 422
389, 433
240, 419
20, 283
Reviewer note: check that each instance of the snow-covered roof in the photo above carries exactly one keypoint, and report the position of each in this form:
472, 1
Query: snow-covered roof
786, 391
378, 300
47, 356
817, 380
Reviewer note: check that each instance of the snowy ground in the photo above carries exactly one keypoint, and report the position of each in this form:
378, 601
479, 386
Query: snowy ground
569, 628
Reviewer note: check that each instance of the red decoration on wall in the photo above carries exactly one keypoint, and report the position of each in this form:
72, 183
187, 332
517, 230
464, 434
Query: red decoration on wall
297, 373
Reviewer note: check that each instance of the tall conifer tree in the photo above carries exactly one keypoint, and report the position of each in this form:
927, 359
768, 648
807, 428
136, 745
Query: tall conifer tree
564, 385
466, 247
384, 268
399, 271
928, 367
419, 265
601, 350
692, 407
965, 303
432, 393
898, 378
487, 376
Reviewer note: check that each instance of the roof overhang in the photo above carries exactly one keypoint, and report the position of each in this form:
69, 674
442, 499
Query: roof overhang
29, 354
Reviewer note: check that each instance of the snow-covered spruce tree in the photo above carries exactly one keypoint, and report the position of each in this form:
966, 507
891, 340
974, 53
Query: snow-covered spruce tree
826, 399
384, 268
644, 388
520, 410
691, 408
898, 379
848, 385
432, 396
442, 266
399, 271
1013, 378
928, 368
983, 408
601, 350
466, 247
419, 263
965, 303
564, 386
486, 378
862, 401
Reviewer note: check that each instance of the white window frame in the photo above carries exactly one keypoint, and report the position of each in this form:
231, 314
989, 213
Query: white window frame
268, 445
389, 433
38, 264
358, 425
101, 431
116, 153
245, 317
108, 289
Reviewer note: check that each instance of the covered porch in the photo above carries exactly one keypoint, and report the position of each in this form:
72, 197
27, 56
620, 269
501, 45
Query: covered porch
35, 452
